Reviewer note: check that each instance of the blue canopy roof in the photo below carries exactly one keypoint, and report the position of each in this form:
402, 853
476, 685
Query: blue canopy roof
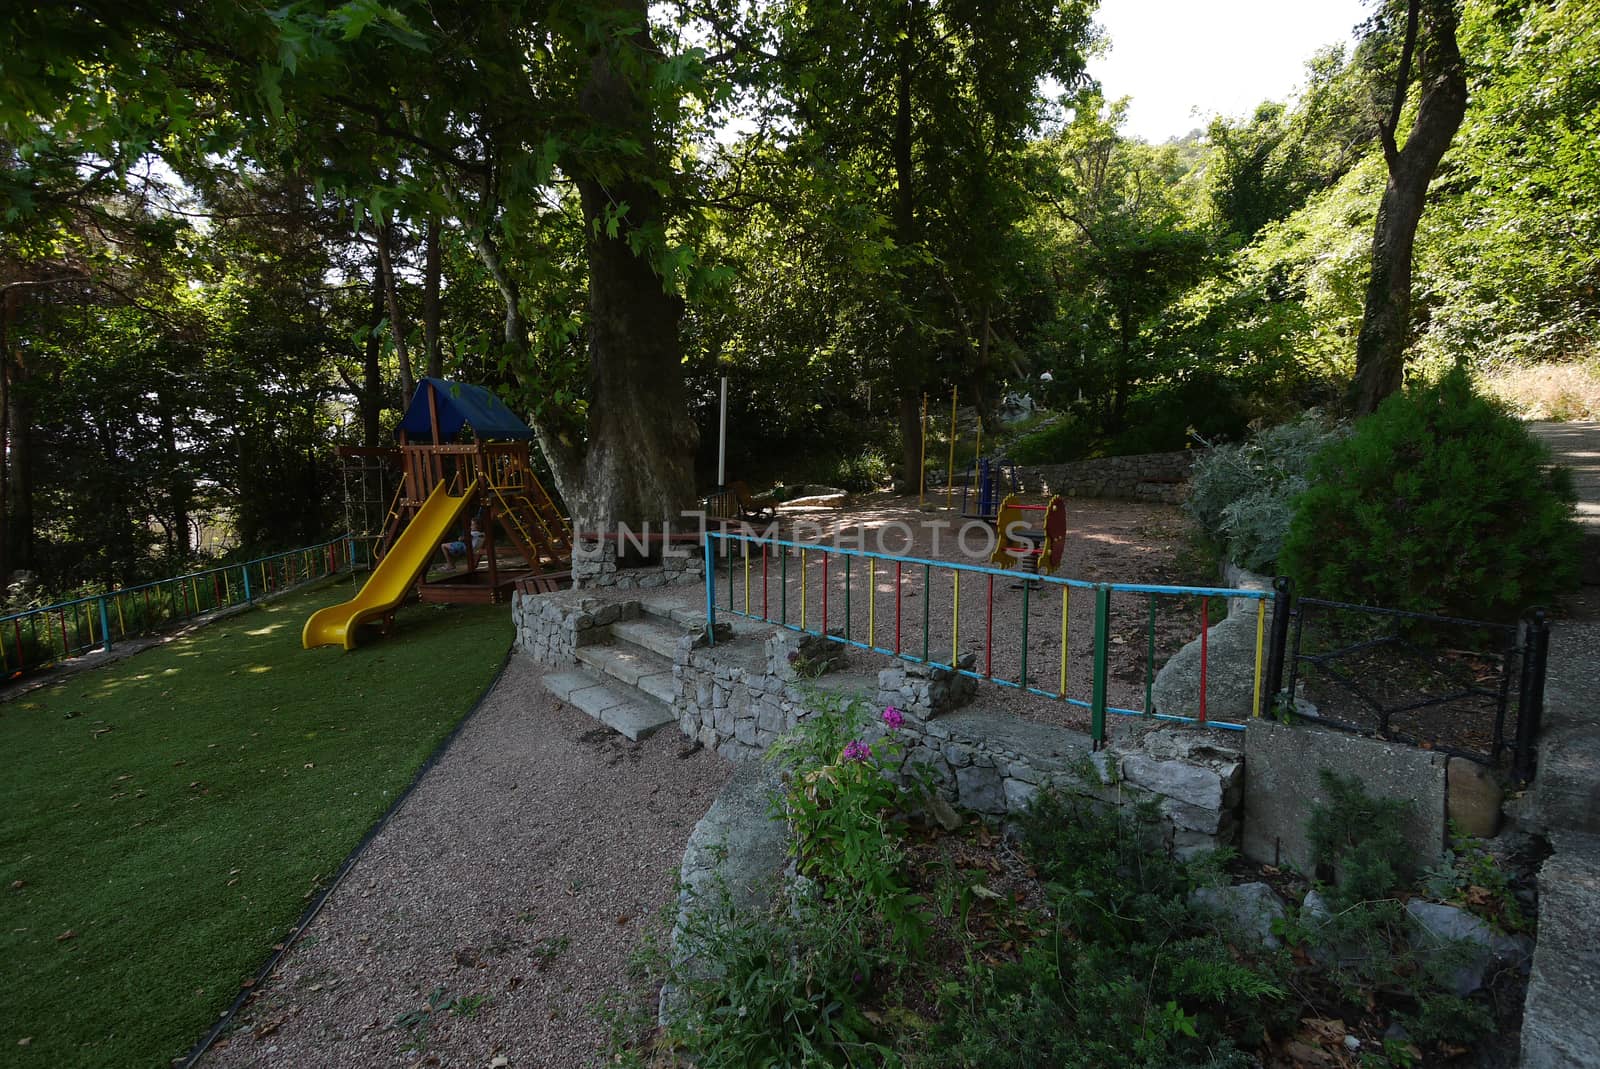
461, 403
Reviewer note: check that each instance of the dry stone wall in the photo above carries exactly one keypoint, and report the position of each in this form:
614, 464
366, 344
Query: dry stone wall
1159, 477
595, 566
740, 697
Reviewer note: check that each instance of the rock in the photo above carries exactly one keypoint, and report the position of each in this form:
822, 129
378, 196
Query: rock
1175, 779
1473, 797
944, 813
1444, 926
1251, 908
1282, 788
1230, 673
1019, 795
980, 789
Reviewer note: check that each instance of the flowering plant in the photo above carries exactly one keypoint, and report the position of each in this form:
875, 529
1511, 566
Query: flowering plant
841, 804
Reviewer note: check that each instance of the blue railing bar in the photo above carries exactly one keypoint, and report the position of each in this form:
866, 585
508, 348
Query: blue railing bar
219, 569
817, 547
1203, 591
1009, 573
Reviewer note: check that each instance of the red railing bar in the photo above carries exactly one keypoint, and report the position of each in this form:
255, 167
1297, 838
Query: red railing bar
1205, 603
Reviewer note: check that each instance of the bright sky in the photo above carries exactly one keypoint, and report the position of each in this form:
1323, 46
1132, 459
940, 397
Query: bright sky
1183, 61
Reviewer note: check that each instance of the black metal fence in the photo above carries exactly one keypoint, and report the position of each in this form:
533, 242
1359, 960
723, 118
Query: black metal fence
1471, 688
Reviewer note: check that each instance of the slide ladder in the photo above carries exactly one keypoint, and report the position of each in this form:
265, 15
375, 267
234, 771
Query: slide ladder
541, 538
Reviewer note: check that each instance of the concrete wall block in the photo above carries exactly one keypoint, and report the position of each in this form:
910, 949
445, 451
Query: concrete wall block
1282, 786
1175, 779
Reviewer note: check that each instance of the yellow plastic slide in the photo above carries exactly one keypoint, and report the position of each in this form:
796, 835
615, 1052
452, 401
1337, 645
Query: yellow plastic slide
396, 574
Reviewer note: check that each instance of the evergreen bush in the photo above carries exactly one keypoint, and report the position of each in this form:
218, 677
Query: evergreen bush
1439, 502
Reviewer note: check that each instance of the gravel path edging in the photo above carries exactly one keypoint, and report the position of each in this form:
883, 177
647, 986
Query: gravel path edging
195, 1053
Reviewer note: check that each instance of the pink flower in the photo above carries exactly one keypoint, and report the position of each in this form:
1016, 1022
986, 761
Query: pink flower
894, 718
857, 751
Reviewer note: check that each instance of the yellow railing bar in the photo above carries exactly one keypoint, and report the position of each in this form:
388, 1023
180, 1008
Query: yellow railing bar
1261, 632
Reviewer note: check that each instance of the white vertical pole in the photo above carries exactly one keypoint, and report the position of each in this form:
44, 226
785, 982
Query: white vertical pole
722, 439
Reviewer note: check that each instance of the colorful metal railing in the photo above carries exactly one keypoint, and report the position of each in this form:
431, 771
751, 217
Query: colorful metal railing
789, 584
37, 638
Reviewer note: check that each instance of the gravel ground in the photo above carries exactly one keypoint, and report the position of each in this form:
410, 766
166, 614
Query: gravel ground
524, 870
1107, 541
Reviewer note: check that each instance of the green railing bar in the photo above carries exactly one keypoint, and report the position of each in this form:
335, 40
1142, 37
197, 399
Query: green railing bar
1150, 658
927, 596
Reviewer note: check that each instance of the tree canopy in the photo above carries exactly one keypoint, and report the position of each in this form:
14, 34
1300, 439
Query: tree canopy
235, 235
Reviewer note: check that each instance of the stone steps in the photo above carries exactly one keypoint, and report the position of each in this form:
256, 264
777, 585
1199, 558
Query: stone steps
619, 707
687, 619
651, 633
633, 666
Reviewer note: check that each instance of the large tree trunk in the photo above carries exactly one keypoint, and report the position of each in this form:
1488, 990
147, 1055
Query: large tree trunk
18, 467
1386, 321
391, 297
179, 490
909, 360
371, 398
431, 270
639, 463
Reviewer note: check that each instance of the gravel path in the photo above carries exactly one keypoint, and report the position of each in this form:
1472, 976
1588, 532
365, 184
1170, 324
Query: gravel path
523, 871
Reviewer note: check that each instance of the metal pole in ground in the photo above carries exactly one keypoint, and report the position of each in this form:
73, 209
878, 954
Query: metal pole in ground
1530, 703
1282, 595
722, 440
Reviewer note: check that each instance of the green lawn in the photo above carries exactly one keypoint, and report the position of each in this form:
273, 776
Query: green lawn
165, 819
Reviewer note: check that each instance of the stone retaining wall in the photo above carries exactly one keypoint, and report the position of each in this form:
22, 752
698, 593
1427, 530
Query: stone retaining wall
740, 703
739, 698
551, 627
1160, 477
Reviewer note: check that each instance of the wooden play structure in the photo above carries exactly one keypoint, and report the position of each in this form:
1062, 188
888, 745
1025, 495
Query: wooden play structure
525, 534
462, 457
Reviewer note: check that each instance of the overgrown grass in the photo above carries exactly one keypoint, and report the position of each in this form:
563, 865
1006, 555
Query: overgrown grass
164, 820
1566, 391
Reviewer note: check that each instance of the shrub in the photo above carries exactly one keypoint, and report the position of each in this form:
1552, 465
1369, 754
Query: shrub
1438, 502
1359, 840
865, 471
1159, 417
1243, 495
1127, 973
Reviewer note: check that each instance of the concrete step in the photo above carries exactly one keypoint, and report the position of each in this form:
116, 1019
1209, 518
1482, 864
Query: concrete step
651, 633
635, 666
618, 707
